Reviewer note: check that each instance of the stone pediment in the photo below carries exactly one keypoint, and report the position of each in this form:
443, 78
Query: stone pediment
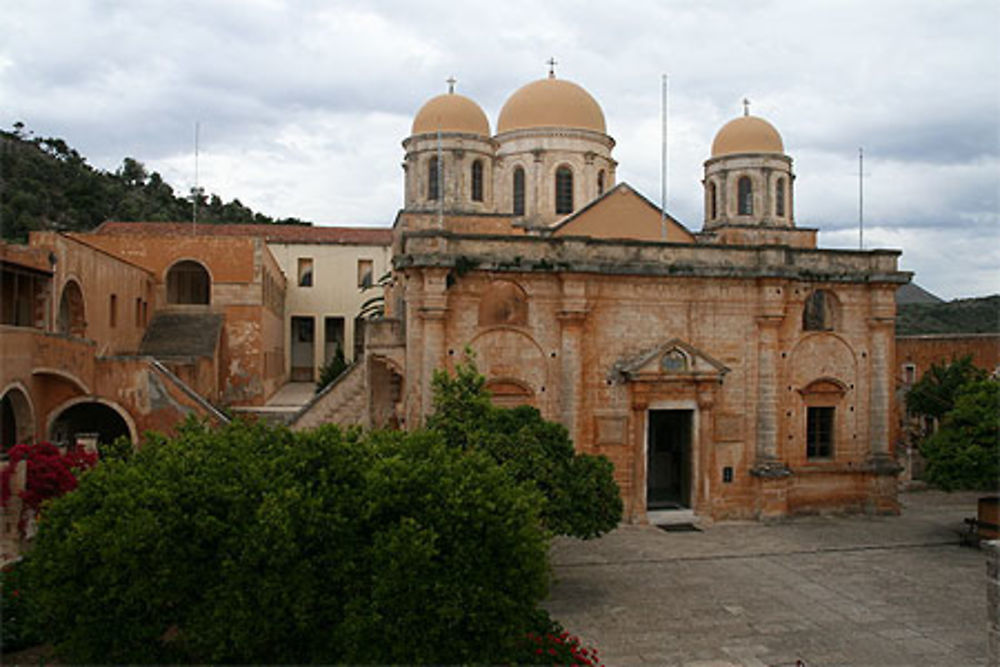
674, 360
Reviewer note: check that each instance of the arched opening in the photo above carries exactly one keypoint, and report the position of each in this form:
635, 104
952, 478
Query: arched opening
16, 419
713, 202
744, 190
433, 179
600, 183
509, 393
72, 316
564, 190
779, 198
820, 311
503, 302
477, 180
518, 191
188, 282
86, 420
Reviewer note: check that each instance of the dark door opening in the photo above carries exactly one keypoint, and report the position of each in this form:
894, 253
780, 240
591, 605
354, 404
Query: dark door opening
668, 462
303, 359
88, 419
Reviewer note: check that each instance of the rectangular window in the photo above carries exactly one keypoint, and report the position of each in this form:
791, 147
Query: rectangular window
145, 313
819, 432
305, 272
365, 270
138, 312
113, 311
909, 373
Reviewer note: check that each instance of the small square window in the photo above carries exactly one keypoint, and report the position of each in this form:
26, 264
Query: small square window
305, 272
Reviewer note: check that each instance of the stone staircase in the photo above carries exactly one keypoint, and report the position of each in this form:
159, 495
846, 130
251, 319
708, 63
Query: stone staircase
344, 401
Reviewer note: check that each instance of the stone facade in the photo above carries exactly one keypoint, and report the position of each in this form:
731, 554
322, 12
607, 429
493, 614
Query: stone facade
736, 372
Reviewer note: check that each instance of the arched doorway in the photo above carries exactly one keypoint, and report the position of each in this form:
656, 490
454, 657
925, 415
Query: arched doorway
16, 419
188, 282
88, 419
72, 318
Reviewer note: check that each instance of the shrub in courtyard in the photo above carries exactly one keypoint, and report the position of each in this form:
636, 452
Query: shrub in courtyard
965, 451
16, 629
581, 496
332, 369
252, 544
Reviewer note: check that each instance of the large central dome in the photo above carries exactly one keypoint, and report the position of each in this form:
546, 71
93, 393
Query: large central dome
551, 102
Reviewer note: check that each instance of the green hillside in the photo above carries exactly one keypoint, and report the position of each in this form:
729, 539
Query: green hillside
980, 315
45, 184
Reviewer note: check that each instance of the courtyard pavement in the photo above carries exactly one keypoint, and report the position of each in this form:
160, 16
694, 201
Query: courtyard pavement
826, 590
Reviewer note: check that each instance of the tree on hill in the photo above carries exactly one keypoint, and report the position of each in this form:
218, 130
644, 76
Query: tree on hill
48, 185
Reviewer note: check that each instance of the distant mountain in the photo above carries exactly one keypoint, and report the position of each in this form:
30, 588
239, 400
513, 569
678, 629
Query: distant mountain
48, 185
981, 315
914, 293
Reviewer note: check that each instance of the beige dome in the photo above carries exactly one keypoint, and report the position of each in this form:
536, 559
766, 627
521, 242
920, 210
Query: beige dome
551, 103
451, 112
747, 134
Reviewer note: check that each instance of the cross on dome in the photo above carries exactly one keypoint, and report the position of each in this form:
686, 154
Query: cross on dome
451, 81
746, 107
552, 67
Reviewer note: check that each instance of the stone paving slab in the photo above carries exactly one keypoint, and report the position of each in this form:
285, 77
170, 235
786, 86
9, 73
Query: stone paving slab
826, 590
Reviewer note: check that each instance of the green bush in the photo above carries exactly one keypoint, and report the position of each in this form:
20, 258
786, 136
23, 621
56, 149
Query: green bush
581, 496
16, 629
965, 451
252, 544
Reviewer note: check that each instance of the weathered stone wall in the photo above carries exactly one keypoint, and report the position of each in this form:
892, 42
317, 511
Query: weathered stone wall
593, 307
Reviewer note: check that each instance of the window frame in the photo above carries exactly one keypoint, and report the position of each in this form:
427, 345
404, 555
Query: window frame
821, 429
477, 181
563, 183
744, 196
433, 179
518, 188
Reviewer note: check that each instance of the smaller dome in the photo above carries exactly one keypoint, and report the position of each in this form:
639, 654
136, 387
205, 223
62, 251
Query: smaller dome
451, 112
551, 103
747, 134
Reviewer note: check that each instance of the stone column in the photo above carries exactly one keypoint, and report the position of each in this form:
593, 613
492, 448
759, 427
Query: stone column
767, 391
880, 390
432, 312
572, 316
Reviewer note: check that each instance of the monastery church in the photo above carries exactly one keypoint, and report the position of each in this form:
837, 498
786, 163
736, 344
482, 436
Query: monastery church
736, 371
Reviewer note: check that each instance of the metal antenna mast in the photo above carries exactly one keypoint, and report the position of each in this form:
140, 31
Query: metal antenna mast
196, 191
861, 199
663, 160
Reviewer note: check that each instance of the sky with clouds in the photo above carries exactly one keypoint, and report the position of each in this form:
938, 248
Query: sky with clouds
302, 105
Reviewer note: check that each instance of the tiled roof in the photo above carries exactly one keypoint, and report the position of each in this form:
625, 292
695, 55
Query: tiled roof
269, 232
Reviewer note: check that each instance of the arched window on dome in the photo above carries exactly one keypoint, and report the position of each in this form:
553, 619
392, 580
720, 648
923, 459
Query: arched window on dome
518, 191
600, 183
564, 190
433, 179
779, 198
477, 180
744, 189
713, 202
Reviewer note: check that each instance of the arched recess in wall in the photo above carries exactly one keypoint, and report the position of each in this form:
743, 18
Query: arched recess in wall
503, 302
510, 392
188, 282
90, 415
507, 354
72, 317
821, 311
17, 417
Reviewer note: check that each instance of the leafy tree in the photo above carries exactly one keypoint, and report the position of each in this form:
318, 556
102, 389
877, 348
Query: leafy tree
965, 451
934, 394
253, 544
581, 496
332, 369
